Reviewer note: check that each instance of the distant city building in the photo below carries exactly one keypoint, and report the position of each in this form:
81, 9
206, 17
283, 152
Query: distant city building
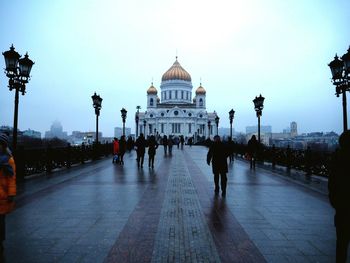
254, 129
118, 132
225, 132
78, 137
6, 129
56, 131
32, 133
293, 129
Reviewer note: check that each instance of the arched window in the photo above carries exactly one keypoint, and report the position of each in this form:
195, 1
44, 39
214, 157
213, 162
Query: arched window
200, 102
151, 102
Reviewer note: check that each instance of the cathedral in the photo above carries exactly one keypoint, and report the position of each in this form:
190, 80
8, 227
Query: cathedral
174, 111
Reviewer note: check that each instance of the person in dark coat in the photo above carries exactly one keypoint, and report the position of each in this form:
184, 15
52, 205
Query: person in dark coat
231, 147
253, 146
122, 149
140, 149
170, 144
165, 144
218, 154
339, 195
152, 147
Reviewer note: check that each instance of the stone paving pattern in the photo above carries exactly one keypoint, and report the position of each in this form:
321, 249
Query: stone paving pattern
101, 212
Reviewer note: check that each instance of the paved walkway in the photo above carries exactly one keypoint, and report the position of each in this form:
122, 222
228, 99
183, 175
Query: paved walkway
102, 212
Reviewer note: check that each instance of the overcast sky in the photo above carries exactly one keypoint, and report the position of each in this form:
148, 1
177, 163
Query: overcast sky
239, 48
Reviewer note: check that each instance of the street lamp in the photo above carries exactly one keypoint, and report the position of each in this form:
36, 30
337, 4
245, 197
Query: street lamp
209, 123
123, 112
341, 79
217, 124
258, 106
97, 104
137, 118
232, 115
144, 127
18, 71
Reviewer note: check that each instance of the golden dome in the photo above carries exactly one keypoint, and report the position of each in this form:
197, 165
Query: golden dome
176, 72
152, 90
200, 90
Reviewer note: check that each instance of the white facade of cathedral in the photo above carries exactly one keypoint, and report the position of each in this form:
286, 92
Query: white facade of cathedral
172, 111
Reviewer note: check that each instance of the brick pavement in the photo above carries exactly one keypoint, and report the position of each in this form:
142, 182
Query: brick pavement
110, 213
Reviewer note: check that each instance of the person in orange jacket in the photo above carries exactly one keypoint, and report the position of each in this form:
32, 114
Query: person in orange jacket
7, 184
115, 150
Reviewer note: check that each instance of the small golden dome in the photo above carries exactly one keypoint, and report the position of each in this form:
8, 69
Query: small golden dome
176, 72
152, 90
200, 90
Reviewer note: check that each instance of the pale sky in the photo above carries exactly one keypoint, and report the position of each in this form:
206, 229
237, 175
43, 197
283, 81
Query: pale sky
239, 48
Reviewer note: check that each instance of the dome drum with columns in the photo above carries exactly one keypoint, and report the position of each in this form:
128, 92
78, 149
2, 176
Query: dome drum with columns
174, 111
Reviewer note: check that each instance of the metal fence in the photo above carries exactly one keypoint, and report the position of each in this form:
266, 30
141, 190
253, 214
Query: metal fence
39, 160
308, 161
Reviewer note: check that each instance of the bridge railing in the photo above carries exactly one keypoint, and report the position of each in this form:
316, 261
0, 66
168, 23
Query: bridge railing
308, 161
39, 160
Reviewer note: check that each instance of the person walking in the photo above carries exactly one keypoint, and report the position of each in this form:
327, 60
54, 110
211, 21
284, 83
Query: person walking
231, 147
182, 141
217, 155
115, 150
152, 147
122, 149
253, 146
165, 144
8, 185
170, 144
140, 149
339, 195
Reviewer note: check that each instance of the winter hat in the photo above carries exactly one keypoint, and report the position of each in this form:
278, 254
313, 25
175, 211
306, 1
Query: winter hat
4, 138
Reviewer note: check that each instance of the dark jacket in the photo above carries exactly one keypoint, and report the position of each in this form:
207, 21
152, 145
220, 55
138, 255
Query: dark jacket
218, 154
122, 146
141, 145
339, 182
152, 146
253, 146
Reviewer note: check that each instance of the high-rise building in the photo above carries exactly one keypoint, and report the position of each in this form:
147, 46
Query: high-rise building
293, 129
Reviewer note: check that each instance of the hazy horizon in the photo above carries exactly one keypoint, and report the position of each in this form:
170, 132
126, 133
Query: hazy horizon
238, 49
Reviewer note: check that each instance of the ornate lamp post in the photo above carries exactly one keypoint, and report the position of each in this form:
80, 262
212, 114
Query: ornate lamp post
144, 127
209, 123
217, 124
232, 115
123, 112
341, 80
137, 120
97, 103
18, 71
258, 106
